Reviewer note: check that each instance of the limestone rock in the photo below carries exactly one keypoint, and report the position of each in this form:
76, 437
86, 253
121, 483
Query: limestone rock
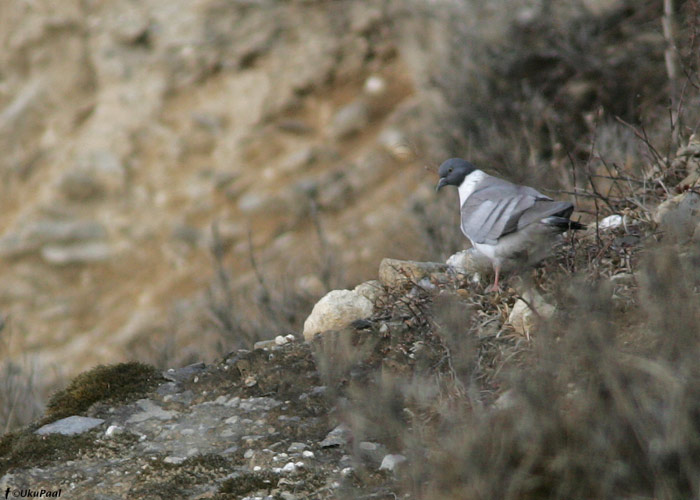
371, 290
335, 310
523, 319
395, 273
70, 426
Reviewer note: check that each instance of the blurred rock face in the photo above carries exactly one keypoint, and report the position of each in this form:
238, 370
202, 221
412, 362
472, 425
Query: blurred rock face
128, 128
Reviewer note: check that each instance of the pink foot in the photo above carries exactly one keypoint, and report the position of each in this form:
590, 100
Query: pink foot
495, 287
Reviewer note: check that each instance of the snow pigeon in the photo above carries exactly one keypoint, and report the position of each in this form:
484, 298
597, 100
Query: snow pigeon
511, 225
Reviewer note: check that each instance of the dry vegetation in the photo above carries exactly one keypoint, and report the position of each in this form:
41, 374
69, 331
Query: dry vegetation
604, 402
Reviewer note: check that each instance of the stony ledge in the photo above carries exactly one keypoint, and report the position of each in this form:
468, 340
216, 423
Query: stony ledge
258, 424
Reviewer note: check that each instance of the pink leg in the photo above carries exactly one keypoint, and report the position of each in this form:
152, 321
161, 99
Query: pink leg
495, 287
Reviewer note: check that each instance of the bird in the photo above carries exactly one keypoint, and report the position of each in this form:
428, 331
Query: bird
512, 225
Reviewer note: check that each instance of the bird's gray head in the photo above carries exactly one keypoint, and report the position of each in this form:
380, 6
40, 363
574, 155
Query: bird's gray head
453, 172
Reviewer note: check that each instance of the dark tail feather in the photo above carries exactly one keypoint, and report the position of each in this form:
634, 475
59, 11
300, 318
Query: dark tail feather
564, 223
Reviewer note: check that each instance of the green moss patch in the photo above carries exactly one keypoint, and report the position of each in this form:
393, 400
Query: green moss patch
119, 383
26, 449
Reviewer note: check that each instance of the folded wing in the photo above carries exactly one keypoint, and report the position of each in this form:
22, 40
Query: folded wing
498, 207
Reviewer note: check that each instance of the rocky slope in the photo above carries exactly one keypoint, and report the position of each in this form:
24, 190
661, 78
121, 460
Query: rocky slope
361, 409
179, 177
129, 129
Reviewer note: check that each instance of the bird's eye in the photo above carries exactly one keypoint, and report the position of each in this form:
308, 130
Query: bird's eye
449, 170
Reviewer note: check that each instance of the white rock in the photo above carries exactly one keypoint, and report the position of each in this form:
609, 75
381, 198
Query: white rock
374, 85
336, 310
114, 430
289, 467
390, 462
174, 460
523, 319
280, 340
307, 454
611, 222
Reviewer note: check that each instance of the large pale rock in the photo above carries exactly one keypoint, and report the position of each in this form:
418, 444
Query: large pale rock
395, 273
335, 310
523, 319
371, 289
679, 215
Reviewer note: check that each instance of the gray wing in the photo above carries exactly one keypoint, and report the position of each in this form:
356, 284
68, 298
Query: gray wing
498, 207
